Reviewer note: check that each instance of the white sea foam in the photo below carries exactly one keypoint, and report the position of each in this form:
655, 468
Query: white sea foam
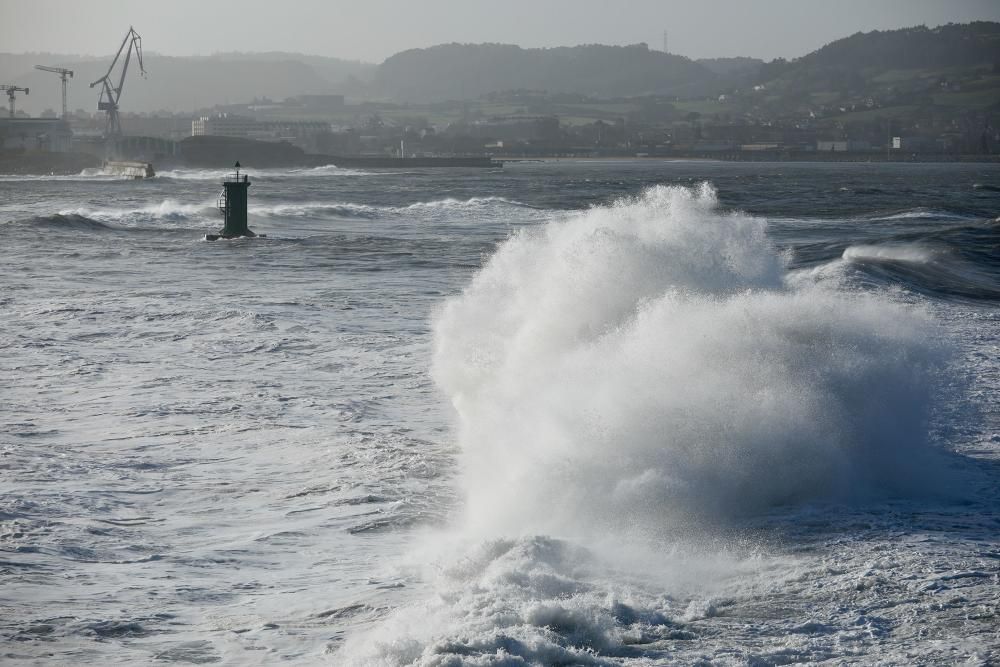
908, 252
331, 170
920, 213
195, 174
541, 601
317, 209
474, 202
188, 174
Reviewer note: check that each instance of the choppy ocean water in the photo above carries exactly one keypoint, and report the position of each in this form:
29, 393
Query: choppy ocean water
609, 413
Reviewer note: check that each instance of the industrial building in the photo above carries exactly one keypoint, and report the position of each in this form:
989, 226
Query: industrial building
36, 134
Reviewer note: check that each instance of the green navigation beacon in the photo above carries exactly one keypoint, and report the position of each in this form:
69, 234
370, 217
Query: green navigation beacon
233, 204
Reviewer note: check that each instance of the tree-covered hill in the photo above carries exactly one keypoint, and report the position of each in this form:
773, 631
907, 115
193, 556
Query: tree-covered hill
466, 71
908, 73
951, 45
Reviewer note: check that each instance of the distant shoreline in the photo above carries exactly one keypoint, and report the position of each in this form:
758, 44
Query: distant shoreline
765, 158
68, 164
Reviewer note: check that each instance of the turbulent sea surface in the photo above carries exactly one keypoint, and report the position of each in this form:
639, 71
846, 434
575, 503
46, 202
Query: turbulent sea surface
564, 413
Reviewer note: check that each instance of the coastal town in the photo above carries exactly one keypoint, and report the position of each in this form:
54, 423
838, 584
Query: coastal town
867, 97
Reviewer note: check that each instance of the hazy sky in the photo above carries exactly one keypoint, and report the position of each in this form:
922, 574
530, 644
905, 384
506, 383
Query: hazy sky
372, 30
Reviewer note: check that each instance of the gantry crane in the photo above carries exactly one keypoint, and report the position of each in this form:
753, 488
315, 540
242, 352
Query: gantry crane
110, 94
11, 90
63, 73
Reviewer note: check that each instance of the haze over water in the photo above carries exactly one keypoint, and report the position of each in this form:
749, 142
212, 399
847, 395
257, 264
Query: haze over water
608, 413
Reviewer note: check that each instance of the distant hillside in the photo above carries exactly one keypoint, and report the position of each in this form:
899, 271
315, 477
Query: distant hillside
865, 61
465, 71
955, 44
913, 71
334, 70
182, 83
907, 73
729, 66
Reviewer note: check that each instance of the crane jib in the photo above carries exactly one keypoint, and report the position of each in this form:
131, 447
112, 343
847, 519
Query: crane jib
111, 94
63, 74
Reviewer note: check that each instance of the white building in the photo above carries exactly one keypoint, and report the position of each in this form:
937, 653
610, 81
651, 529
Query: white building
231, 125
226, 125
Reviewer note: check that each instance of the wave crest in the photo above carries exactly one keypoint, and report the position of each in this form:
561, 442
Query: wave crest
911, 252
65, 222
167, 210
473, 206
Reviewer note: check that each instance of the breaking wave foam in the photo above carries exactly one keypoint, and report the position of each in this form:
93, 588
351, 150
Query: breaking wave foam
919, 213
544, 601
911, 252
167, 210
318, 209
474, 202
219, 174
174, 211
473, 206
330, 170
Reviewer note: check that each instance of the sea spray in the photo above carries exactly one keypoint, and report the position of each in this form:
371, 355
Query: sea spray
645, 362
624, 379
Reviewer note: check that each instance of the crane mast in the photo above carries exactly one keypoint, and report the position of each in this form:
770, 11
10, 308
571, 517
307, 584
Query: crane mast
11, 90
110, 93
63, 74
